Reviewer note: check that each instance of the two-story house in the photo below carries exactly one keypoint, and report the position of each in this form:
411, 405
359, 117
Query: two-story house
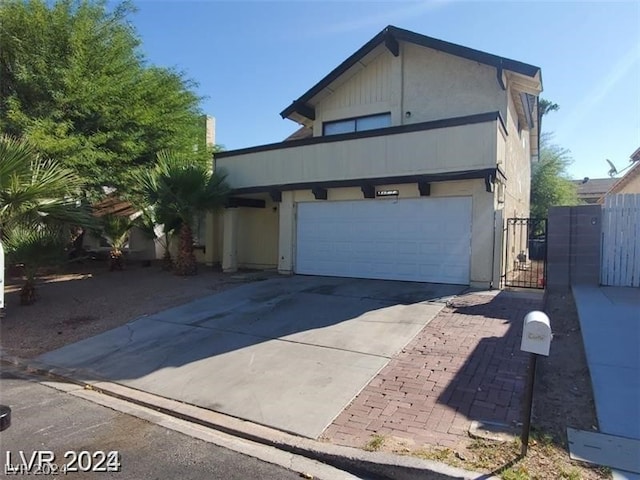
410, 155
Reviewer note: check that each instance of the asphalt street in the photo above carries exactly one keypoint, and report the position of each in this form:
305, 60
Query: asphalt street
46, 419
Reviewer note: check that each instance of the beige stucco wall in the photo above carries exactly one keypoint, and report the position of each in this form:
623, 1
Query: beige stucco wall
429, 84
517, 166
212, 253
482, 231
372, 90
437, 85
633, 185
449, 149
258, 236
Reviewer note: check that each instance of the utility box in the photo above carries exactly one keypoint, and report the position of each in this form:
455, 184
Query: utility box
536, 333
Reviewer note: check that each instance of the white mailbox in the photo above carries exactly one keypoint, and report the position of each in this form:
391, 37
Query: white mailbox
536, 333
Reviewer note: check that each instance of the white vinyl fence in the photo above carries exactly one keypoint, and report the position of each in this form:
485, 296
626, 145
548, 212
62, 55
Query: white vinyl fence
621, 241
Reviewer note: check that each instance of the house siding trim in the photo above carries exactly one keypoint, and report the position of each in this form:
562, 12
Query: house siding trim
488, 174
378, 132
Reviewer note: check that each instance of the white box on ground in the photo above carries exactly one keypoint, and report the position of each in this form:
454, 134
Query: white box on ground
536, 333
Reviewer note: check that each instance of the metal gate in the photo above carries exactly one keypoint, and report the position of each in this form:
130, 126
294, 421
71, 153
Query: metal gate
525, 255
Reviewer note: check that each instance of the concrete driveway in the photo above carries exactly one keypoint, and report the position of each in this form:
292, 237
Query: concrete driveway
289, 353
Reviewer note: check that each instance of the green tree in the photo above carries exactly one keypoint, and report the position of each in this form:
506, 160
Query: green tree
547, 106
38, 208
178, 189
75, 83
550, 182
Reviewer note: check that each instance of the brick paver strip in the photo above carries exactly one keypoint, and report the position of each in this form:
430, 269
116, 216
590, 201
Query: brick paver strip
465, 365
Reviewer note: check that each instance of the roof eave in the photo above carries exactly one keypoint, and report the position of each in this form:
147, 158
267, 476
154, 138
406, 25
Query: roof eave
390, 37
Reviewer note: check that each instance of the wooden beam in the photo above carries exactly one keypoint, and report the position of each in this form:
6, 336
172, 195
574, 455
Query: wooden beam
392, 44
368, 190
245, 202
319, 193
500, 77
489, 182
276, 195
425, 189
306, 111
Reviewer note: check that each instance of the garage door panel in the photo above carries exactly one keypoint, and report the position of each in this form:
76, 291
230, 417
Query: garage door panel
411, 239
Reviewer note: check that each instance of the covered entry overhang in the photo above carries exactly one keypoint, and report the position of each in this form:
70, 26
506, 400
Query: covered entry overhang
240, 196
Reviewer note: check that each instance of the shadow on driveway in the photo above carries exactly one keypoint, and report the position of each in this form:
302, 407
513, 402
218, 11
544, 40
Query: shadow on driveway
287, 352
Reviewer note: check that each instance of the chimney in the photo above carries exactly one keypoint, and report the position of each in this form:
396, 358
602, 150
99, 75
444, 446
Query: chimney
209, 124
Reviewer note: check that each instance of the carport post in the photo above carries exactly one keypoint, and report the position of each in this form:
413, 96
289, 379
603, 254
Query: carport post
536, 339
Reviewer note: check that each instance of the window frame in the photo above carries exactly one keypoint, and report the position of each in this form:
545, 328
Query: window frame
355, 123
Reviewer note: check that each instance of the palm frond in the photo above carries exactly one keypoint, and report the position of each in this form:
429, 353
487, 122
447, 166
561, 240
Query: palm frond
115, 229
36, 248
36, 191
15, 158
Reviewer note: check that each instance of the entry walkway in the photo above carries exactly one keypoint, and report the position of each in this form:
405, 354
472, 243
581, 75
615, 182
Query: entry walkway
610, 323
464, 365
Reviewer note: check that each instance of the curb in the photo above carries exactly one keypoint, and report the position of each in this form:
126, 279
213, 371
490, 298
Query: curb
372, 465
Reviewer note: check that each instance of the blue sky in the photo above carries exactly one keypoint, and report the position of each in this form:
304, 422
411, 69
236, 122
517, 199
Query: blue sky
251, 59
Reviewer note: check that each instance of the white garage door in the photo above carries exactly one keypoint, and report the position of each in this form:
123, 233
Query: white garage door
425, 240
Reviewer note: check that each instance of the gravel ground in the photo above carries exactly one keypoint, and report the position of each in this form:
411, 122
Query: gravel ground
89, 300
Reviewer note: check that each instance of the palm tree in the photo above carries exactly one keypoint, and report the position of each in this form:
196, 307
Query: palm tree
35, 249
35, 191
179, 189
38, 205
147, 222
116, 229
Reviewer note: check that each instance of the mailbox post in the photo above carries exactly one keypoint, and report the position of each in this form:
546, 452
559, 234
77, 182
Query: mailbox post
536, 339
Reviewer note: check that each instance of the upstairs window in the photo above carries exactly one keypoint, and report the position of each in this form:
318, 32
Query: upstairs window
360, 124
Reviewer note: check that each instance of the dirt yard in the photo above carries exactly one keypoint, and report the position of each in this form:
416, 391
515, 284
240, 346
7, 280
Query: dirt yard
89, 299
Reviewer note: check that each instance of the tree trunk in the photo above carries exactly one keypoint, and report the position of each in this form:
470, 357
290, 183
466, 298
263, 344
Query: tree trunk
28, 292
115, 259
185, 264
167, 261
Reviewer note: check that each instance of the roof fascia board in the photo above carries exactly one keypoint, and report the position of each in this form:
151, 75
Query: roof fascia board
413, 127
487, 173
391, 35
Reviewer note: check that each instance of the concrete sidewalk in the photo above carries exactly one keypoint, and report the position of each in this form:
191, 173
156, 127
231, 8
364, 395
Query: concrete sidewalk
610, 323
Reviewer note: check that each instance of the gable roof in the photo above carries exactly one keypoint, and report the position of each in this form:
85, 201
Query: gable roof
300, 134
625, 179
390, 37
593, 187
113, 205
